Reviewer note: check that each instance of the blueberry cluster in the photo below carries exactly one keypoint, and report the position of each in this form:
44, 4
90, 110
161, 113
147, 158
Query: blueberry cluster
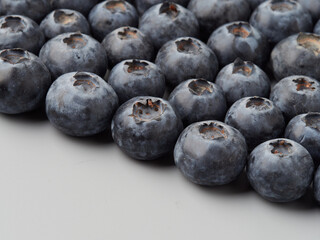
224, 86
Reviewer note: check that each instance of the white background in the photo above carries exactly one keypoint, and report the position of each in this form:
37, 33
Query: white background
55, 187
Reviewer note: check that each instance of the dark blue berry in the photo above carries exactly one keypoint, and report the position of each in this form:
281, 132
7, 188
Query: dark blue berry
210, 153
146, 128
81, 104
24, 81
280, 170
62, 21
83, 6
185, 58
70, 52
197, 100
257, 118
132, 78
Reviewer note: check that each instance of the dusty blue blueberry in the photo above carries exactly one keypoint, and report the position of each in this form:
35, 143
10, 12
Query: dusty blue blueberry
81, 104
278, 19
280, 170
305, 129
296, 95
243, 79
34, 9
316, 185
110, 15
185, 58
127, 43
239, 39
146, 128
17, 31
316, 29
132, 78
211, 14
143, 5
257, 118
197, 100
62, 21
167, 21
83, 6
70, 52
297, 55
313, 6
210, 153
24, 81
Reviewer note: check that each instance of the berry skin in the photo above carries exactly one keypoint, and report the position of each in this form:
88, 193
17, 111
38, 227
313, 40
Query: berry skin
132, 78
255, 3
69, 52
305, 129
296, 95
62, 21
211, 14
243, 79
316, 29
81, 104
239, 39
144, 5
110, 15
197, 100
210, 153
278, 19
168, 21
316, 185
34, 9
280, 170
24, 81
127, 43
146, 128
297, 55
245, 113
18, 31
83, 6
185, 58
313, 6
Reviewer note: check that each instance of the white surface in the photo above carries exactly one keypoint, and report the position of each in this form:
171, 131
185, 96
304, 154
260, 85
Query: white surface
55, 187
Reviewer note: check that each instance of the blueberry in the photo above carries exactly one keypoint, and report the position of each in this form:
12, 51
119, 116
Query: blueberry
62, 21
127, 43
143, 5
110, 15
297, 55
168, 21
34, 9
239, 39
305, 129
280, 170
210, 153
17, 31
245, 113
255, 3
243, 79
313, 6
316, 185
211, 14
316, 29
132, 78
24, 81
146, 128
197, 100
74, 52
296, 95
186, 58
81, 104
83, 6
278, 19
